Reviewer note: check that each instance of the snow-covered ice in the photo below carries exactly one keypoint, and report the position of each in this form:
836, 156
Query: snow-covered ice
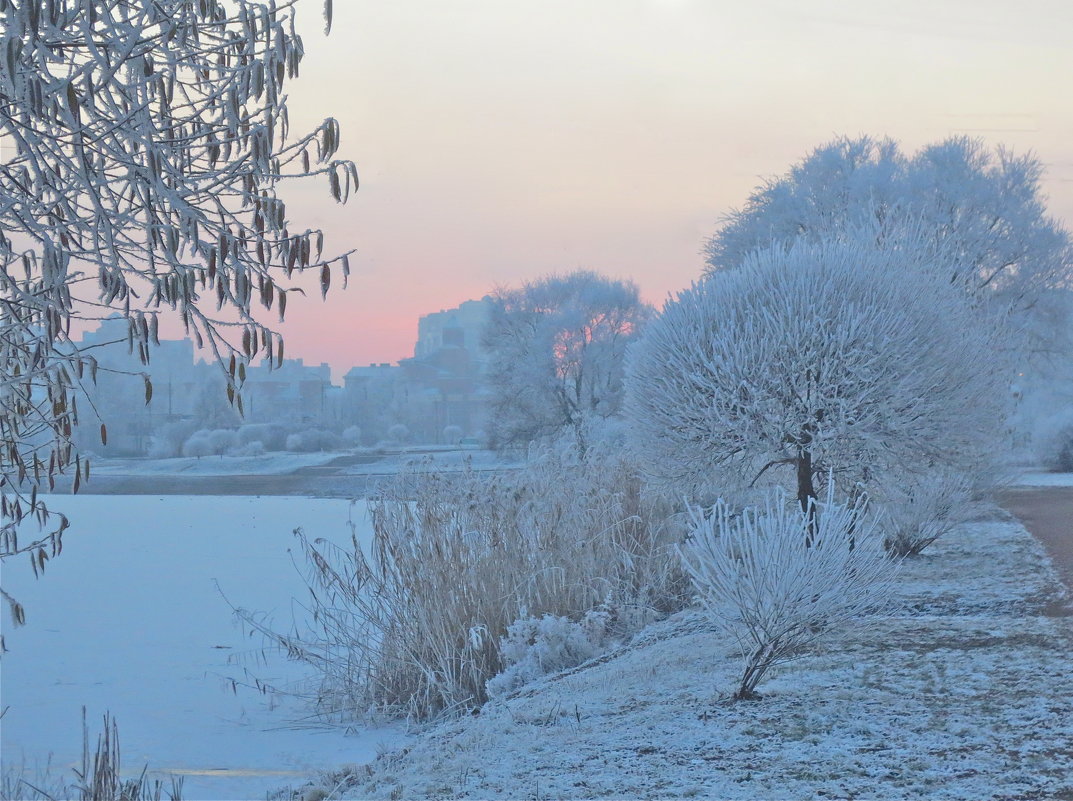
128, 619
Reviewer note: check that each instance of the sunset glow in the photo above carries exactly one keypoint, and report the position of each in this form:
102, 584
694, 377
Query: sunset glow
498, 142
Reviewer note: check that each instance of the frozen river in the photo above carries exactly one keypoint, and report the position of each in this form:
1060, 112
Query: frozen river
129, 619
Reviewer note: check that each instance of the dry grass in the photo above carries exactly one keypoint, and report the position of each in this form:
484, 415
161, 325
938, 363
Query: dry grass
414, 625
98, 779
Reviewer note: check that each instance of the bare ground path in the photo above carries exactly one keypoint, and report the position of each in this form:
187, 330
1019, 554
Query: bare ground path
1047, 513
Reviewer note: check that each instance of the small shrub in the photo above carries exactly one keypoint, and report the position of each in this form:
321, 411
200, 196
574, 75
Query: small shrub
352, 436
272, 437
311, 440
198, 445
775, 582
398, 434
452, 434
911, 517
255, 448
223, 440
534, 647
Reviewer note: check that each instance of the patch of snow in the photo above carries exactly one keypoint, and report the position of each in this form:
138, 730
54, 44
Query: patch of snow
129, 619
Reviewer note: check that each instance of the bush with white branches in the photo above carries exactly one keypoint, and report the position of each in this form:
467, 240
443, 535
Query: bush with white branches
821, 359
773, 589
984, 211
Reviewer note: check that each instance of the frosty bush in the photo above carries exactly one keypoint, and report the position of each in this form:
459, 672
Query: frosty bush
255, 448
534, 647
1053, 442
310, 440
398, 434
773, 593
223, 441
912, 516
452, 434
352, 436
273, 437
198, 445
414, 624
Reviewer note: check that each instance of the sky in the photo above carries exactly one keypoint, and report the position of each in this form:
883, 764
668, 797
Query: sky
499, 141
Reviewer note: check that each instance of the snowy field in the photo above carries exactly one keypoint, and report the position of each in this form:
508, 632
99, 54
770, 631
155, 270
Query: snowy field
964, 692
129, 619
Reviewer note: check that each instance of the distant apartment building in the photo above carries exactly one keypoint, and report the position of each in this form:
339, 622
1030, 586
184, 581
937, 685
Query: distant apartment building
461, 327
440, 386
188, 393
293, 392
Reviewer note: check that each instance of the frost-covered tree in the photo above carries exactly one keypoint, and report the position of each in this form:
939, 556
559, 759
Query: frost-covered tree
983, 213
821, 359
144, 142
555, 354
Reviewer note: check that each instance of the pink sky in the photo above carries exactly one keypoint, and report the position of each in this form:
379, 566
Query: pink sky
502, 140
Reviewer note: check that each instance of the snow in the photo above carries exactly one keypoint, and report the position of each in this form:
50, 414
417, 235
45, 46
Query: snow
350, 463
267, 464
129, 619
964, 692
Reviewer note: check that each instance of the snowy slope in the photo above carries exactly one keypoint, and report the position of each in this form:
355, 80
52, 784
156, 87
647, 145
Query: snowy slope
965, 692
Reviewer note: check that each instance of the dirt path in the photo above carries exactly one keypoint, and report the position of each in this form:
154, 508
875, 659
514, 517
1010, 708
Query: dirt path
1047, 513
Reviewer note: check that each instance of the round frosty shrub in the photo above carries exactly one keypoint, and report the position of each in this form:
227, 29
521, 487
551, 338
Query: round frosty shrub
816, 360
452, 434
776, 578
199, 444
223, 441
912, 515
255, 448
310, 440
272, 436
352, 436
398, 434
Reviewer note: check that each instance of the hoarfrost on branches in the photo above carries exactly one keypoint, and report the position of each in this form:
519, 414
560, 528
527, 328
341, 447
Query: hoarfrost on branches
821, 359
983, 212
143, 146
556, 349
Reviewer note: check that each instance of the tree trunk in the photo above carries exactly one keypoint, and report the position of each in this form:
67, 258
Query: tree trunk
806, 493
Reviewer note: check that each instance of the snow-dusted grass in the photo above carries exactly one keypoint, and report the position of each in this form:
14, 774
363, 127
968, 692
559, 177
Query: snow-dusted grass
964, 692
129, 619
